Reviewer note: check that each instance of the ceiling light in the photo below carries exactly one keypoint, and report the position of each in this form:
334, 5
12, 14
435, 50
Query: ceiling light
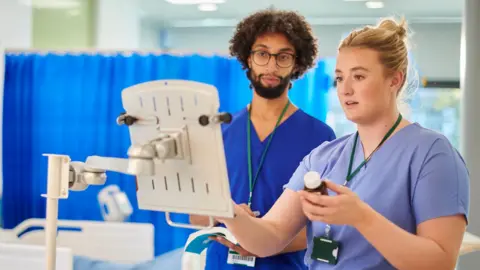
374, 4
52, 4
207, 7
195, 2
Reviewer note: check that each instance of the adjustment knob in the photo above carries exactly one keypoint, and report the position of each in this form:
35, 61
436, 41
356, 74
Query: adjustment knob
130, 120
204, 120
225, 118
126, 119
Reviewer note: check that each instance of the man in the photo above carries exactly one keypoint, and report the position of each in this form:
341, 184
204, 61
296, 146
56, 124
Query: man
266, 141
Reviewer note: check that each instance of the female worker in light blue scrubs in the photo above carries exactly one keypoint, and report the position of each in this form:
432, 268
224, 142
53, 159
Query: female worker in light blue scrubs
398, 193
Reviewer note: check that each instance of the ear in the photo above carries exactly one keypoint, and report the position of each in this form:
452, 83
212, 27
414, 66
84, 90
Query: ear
294, 69
249, 61
397, 81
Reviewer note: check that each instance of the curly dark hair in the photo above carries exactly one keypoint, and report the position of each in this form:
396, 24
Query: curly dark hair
293, 25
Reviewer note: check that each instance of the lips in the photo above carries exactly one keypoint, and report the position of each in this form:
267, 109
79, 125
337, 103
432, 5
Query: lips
270, 79
349, 103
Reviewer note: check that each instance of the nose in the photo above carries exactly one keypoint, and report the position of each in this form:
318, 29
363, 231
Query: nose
272, 64
345, 87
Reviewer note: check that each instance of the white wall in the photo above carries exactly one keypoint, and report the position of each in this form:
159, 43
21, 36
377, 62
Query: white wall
15, 24
117, 24
436, 47
15, 32
149, 36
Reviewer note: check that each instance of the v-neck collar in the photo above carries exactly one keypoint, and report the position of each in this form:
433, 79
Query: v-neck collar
256, 140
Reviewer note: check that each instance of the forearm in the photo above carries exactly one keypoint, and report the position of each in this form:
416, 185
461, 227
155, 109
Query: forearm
261, 238
298, 243
401, 248
201, 220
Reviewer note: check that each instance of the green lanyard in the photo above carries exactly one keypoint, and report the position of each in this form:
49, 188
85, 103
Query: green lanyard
251, 180
351, 174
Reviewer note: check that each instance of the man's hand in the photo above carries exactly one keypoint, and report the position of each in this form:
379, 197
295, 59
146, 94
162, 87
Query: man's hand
247, 209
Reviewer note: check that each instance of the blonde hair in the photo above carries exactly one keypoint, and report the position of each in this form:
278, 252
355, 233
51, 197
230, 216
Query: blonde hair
390, 39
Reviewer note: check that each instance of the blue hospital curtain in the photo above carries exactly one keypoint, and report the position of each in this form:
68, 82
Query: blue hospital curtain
68, 104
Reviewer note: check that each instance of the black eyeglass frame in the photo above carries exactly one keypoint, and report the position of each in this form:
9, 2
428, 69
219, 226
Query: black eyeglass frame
274, 55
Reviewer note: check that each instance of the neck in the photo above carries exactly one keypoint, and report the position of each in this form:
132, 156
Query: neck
371, 134
268, 108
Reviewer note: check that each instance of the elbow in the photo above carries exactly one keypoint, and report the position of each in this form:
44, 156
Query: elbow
270, 251
262, 255
445, 261
265, 253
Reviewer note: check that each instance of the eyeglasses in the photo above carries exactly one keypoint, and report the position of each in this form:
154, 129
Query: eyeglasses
283, 59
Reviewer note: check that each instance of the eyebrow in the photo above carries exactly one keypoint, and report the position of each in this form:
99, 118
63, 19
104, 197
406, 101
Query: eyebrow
354, 69
266, 47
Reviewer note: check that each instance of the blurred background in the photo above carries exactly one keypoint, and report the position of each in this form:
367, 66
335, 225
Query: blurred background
66, 62
184, 26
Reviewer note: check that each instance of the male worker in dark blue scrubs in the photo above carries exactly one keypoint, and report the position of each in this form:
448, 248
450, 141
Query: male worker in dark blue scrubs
266, 141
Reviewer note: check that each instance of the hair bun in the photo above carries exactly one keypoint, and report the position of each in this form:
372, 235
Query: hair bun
391, 25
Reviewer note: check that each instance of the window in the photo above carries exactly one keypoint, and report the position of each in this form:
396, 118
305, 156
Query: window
434, 108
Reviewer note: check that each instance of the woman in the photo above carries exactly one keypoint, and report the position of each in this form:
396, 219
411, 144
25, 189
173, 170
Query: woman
398, 193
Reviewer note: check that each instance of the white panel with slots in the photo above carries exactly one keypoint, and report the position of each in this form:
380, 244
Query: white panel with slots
198, 183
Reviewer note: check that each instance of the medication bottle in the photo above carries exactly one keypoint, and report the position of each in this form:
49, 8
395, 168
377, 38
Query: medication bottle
313, 183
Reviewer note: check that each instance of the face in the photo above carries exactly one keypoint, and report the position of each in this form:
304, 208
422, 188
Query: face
270, 76
364, 90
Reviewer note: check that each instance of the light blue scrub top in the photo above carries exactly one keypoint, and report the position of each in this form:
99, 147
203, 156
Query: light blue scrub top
415, 176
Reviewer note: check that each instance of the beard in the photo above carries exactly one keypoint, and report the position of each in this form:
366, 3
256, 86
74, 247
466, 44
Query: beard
265, 91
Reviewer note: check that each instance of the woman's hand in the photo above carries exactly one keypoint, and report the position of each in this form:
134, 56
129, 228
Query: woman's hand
240, 209
243, 252
344, 208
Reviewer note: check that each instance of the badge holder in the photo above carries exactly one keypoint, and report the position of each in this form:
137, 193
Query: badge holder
325, 249
235, 258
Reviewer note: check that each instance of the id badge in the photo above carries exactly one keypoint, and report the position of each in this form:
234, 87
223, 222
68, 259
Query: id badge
325, 250
235, 258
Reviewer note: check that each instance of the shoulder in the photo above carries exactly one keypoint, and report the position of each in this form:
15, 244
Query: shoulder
319, 159
427, 143
331, 147
329, 151
315, 125
425, 135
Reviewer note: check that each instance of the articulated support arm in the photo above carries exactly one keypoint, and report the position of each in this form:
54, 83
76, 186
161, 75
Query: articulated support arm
177, 154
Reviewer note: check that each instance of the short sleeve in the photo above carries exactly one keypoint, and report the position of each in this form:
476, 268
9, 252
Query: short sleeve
296, 181
442, 187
